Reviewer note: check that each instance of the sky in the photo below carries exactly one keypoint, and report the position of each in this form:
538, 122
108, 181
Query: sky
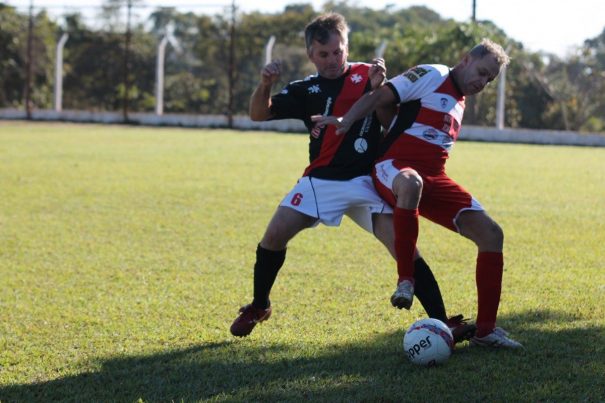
541, 25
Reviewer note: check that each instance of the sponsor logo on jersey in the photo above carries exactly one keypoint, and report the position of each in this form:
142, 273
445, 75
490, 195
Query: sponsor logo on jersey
430, 134
365, 127
314, 89
316, 131
328, 104
361, 145
415, 73
356, 78
449, 123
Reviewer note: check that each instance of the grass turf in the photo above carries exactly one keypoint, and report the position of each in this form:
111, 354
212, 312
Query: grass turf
125, 253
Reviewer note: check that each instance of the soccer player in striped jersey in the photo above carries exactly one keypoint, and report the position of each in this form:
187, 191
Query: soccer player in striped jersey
410, 172
337, 181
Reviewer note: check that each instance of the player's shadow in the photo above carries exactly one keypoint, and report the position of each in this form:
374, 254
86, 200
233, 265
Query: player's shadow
569, 364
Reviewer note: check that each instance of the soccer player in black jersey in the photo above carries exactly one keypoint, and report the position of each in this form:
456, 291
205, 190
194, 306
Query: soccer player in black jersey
337, 180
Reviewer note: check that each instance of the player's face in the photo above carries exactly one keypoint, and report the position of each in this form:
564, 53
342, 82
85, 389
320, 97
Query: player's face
477, 73
330, 59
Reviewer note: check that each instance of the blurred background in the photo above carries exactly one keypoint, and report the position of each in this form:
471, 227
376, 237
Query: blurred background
133, 56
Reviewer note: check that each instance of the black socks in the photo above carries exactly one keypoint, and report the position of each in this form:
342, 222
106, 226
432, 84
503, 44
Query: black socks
266, 268
427, 291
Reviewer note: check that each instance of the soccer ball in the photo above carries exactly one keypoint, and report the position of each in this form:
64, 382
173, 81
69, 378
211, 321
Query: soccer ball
428, 342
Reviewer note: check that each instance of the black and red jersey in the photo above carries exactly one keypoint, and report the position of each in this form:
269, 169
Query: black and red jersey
331, 156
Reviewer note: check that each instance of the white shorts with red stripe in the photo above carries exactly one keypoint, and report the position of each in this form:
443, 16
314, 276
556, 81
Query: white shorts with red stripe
329, 200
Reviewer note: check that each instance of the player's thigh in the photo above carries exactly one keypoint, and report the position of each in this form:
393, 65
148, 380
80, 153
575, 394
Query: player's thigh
363, 203
444, 200
284, 225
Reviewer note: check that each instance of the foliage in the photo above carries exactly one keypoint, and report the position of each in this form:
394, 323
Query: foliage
13, 57
126, 252
542, 91
12, 60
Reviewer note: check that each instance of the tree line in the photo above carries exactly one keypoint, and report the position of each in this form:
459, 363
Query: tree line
216, 63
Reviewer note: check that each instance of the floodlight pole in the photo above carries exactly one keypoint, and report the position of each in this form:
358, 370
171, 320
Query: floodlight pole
500, 100
59, 72
159, 86
269, 49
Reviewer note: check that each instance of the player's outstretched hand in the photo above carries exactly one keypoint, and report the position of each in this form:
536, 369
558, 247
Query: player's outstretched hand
271, 72
377, 73
342, 126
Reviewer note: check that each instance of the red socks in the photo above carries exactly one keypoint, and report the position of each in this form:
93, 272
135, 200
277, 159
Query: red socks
406, 233
489, 285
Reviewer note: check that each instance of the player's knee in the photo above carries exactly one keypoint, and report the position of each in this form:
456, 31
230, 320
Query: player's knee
492, 237
274, 238
408, 184
496, 235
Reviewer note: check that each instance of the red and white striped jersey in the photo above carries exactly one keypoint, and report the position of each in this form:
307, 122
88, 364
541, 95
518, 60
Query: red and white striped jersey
429, 94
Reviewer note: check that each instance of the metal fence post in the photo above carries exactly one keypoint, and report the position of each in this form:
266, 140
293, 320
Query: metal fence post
159, 82
59, 73
501, 98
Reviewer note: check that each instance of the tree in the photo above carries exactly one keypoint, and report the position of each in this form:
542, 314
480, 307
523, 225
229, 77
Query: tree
13, 58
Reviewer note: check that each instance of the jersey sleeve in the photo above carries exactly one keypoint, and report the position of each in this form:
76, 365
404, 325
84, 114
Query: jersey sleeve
417, 82
288, 104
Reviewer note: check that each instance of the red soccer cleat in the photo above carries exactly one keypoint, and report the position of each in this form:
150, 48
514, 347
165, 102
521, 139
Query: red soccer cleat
461, 329
248, 318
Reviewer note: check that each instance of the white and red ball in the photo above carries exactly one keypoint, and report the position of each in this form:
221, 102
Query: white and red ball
428, 342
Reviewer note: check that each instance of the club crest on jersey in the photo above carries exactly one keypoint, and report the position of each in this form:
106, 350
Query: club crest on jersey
356, 78
314, 89
284, 91
443, 103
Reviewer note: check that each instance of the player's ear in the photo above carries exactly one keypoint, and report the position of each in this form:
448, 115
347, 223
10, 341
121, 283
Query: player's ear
466, 60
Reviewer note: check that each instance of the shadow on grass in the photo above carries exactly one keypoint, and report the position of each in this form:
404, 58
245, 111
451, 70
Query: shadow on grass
563, 365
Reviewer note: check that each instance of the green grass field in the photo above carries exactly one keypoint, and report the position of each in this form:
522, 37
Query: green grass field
126, 252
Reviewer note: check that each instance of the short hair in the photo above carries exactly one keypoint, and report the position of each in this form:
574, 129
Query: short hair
486, 47
323, 26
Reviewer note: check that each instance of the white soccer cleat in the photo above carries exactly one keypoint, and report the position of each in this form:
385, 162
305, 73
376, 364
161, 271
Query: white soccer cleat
496, 339
403, 295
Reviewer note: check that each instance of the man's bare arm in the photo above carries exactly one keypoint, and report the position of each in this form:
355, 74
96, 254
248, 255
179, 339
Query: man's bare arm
260, 101
379, 98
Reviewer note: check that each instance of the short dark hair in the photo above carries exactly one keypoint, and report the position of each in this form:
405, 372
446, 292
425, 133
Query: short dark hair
323, 26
